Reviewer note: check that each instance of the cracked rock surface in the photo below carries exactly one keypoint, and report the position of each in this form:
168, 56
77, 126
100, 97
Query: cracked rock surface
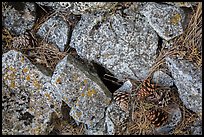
125, 46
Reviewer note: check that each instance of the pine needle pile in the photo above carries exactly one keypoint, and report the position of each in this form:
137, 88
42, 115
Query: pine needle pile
187, 46
191, 40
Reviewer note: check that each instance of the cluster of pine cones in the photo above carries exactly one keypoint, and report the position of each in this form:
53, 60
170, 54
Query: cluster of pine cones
147, 92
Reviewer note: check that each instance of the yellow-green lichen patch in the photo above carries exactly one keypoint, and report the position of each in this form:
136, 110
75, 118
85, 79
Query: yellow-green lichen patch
90, 93
12, 69
82, 94
25, 70
175, 19
48, 96
79, 113
85, 81
28, 77
13, 84
36, 84
22, 60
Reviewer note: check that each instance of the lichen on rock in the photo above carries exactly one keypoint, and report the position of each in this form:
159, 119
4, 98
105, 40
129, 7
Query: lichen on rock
166, 20
126, 46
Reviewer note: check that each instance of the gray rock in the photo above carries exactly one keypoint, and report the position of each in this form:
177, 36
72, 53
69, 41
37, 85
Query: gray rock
188, 80
28, 99
126, 46
81, 90
116, 119
99, 129
78, 7
182, 4
55, 30
18, 17
126, 87
165, 19
196, 128
162, 79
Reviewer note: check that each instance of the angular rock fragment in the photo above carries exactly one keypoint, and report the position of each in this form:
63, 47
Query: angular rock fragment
18, 16
126, 46
55, 30
162, 79
166, 20
78, 7
28, 99
188, 80
81, 90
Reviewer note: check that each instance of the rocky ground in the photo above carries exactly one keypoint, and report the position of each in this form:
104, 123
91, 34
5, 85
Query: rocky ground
98, 68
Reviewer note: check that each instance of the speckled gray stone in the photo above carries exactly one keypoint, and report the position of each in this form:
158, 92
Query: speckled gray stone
81, 90
182, 4
18, 16
29, 99
99, 129
165, 19
126, 46
162, 79
78, 7
55, 30
196, 128
188, 80
116, 119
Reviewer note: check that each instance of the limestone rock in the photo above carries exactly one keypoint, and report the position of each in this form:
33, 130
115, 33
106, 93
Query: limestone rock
18, 16
166, 20
126, 46
188, 80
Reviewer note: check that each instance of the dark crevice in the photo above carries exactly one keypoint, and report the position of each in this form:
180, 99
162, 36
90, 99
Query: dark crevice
72, 22
159, 46
107, 78
19, 6
27, 117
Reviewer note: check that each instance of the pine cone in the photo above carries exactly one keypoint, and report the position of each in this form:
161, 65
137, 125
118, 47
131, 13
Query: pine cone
21, 42
122, 100
157, 117
146, 89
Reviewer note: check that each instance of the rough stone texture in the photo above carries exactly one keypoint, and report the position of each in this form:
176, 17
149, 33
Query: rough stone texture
18, 17
175, 117
126, 87
99, 129
81, 91
188, 80
196, 129
165, 19
126, 46
55, 30
182, 4
78, 7
28, 101
162, 79
116, 119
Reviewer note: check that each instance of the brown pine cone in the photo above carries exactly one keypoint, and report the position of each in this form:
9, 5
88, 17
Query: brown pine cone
146, 89
22, 42
157, 117
122, 100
